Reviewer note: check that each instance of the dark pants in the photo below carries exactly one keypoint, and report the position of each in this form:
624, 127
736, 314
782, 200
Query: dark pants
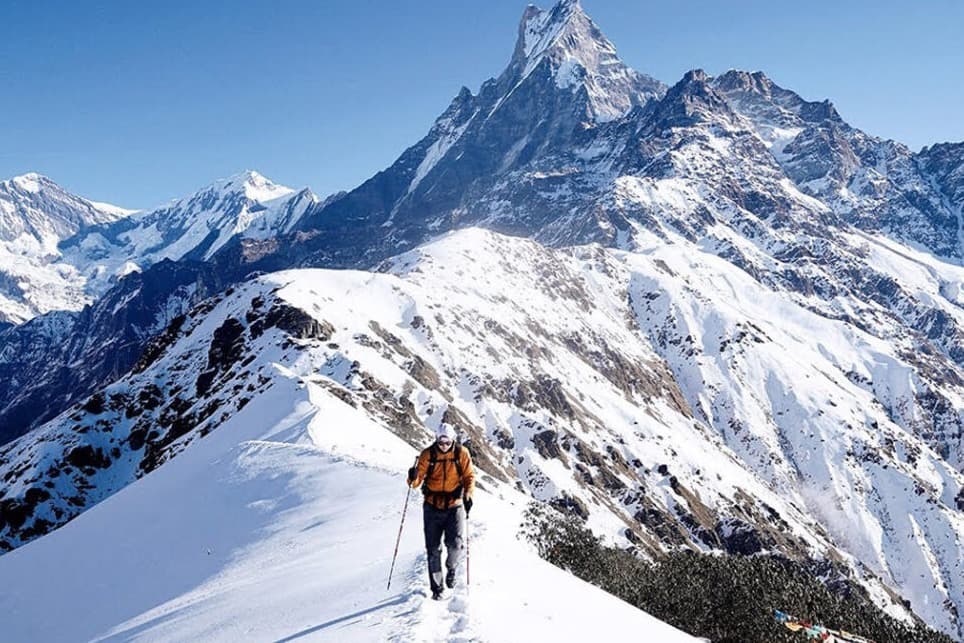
451, 523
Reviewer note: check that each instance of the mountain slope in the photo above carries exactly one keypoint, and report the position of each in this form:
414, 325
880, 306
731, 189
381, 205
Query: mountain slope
699, 159
562, 83
619, 391
281, 538
35, 211
876, 184
194, 227
51, 361
132, 277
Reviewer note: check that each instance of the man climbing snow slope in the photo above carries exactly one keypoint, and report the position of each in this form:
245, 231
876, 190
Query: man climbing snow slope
445, 472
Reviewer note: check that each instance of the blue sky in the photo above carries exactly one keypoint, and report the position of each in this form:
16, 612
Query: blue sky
137, 103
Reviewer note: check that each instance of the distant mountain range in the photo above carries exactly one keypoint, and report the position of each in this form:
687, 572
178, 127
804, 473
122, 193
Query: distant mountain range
62, 252
712, 315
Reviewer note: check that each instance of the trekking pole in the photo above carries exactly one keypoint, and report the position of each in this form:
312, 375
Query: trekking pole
467, 585
408, 493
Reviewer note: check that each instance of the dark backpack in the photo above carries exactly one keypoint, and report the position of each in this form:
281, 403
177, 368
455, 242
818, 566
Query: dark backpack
448, 496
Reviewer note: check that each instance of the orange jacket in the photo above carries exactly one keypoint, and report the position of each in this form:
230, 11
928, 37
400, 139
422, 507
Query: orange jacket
442, 483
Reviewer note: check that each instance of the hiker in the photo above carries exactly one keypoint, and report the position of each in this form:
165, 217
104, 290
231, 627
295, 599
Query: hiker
446, 470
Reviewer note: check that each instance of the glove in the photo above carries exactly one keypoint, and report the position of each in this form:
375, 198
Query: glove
412, 474
468, 506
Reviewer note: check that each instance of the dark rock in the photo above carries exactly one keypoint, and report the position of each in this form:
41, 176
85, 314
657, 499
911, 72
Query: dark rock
546, 443
570, 505
87, 457
95, 404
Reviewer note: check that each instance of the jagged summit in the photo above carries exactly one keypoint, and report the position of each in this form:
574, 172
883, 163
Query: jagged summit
563, 81
737, 79
578, 54
756, 87
249, 184
540, 31
693, 99
30, 182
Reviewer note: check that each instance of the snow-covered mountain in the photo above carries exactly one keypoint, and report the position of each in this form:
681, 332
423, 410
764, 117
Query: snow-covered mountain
875, 184
608, 385
195, 227
736, 323
535, 155
52, 360
280, 526
62, 252
483, 156
128, 278
36, 214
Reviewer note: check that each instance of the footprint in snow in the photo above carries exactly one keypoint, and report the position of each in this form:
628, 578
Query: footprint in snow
458, 604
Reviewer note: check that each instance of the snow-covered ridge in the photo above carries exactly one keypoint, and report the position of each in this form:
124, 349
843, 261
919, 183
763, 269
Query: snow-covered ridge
32, 205
199, 225
288, 510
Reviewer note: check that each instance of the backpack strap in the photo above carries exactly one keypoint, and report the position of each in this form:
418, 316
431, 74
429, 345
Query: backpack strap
457, 454
432, 460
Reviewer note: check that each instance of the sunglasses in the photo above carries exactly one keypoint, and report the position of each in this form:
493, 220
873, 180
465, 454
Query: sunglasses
444, 442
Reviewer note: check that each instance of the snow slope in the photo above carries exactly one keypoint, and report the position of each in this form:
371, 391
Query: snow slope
280, 526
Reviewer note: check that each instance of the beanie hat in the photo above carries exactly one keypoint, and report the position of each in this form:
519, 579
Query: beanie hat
445, 431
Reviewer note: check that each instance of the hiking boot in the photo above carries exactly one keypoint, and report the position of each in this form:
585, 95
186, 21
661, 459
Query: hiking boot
437, 594
450, 579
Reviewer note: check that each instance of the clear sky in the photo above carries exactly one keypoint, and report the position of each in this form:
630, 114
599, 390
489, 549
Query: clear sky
139, 102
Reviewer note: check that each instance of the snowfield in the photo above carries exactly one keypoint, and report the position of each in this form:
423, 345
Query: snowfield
259, 533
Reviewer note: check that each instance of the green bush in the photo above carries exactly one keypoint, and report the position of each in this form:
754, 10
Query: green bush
725, 598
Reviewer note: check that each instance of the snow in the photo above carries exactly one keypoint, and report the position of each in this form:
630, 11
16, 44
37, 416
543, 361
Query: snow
448, 136
246, 204
578, 55
280, 526
128, 268
832, 423
29, 182
36, 215
797, 376
253, 185
537, 36
110, 208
